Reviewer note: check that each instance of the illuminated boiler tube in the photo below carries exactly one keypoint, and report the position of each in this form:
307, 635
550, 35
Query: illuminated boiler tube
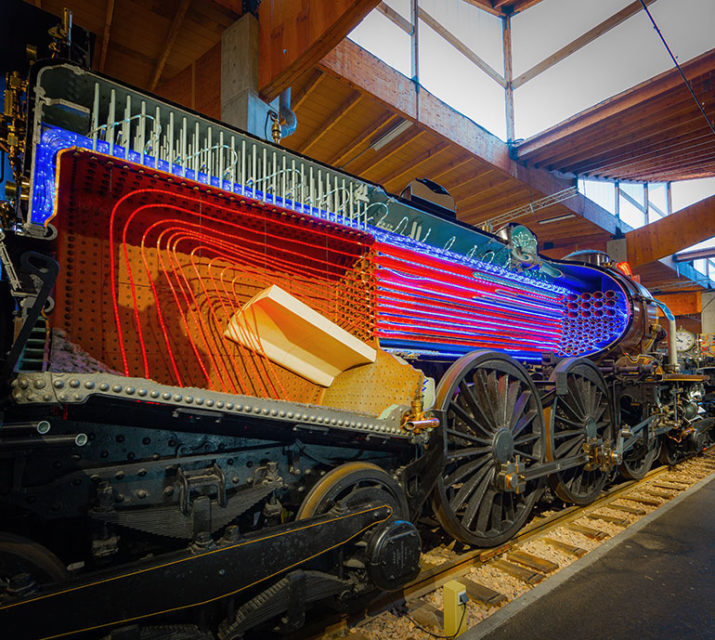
434, 304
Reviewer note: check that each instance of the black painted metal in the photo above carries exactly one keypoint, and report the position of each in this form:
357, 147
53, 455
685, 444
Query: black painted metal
197, 577
43, 267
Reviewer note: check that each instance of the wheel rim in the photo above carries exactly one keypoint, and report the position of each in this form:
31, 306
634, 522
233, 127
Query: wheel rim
20, 555
581, 414
492, 414
354, 481
638, 460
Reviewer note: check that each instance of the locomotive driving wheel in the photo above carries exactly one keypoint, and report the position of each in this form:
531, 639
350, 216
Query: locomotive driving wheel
580, 416
493, 418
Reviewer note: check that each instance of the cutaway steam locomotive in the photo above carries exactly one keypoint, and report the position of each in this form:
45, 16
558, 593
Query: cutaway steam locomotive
235, 378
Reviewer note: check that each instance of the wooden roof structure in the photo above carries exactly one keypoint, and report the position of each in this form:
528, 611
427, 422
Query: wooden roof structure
653, 132
346, 100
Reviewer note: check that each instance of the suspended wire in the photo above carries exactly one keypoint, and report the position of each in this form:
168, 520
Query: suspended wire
685, 80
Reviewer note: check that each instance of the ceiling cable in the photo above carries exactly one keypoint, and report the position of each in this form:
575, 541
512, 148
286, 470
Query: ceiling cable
685, 80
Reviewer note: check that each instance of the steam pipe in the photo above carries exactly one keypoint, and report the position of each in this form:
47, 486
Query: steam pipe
286, 114
672, 351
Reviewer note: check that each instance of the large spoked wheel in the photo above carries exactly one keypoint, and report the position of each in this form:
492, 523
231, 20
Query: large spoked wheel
581, 413
492, 416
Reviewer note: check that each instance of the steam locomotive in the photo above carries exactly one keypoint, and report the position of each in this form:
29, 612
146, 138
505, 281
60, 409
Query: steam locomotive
236, 378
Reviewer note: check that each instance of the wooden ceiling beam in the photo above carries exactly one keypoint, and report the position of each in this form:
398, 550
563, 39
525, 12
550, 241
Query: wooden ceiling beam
294, 36
618, 131
676, 162
171, 36
333, 119
395, 17
580, 42
633, 97
497, 198
485, 5
520, 5
108, 17
494, 184
461, 47
378, 157
671, 234
702, 168
370, 75
643, 150
661, 154
414, 163
450, 168
488, 176
300, 96
136, 56
360, 143
683, 303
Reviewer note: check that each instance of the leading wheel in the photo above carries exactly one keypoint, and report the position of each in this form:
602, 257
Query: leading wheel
354, 481
24, 565
580, 415
493, 416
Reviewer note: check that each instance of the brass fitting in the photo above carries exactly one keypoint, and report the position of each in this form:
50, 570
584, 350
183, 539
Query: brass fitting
275, 127
416, 420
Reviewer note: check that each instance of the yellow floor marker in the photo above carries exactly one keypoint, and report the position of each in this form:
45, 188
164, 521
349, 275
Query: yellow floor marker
454, 596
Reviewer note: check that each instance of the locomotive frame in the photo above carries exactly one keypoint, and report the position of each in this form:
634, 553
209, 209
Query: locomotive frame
119, 487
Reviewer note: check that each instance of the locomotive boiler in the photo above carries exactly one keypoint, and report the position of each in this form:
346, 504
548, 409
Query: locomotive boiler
235, 378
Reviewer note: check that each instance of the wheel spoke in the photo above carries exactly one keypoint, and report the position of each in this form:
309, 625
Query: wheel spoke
482, 399
528, 456
466, 489
467, 436
571, 423
570, 447
464, 470
468, 419
485, 510
576, 394
503, 388
563, 403
525, 420
456, 454
512, 396
569, 433
496, 400
467, 392
599, 411
528, 438
586, 403
475, 499
519, 408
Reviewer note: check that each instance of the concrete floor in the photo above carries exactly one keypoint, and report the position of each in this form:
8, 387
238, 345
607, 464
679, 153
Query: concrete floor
654, 584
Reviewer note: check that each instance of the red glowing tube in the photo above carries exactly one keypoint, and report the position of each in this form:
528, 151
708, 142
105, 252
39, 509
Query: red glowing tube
202, 260
424, 299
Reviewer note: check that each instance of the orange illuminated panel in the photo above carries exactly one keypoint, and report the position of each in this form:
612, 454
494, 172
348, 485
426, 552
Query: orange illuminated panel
153, 268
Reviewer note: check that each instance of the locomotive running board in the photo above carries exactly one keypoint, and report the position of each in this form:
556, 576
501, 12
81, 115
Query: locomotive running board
77, 388
201, 576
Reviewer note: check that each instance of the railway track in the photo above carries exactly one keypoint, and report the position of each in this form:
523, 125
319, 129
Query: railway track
494, 577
